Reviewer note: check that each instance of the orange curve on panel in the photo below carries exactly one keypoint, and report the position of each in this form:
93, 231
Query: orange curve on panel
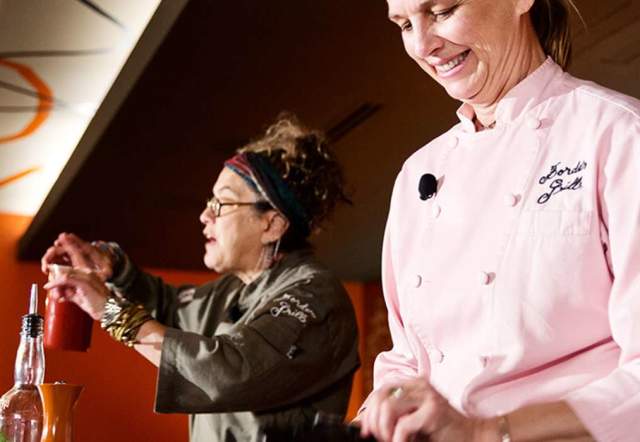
17, 176
44, 100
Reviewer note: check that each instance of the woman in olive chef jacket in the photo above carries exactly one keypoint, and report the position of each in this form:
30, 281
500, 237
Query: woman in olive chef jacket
511, 260
255, 354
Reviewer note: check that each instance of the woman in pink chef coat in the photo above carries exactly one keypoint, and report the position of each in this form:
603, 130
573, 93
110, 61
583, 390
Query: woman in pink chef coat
511, 260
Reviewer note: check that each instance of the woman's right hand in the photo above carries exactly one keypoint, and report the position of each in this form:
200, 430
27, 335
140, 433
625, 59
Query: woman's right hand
70, 250
82, 287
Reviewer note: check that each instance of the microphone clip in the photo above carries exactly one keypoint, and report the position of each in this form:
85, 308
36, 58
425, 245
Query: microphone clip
428, 186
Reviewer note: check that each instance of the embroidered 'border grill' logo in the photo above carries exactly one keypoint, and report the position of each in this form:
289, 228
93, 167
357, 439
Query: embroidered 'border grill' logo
559, 179
291, 306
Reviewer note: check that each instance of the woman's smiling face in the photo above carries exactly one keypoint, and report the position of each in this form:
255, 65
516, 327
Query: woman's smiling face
470, 47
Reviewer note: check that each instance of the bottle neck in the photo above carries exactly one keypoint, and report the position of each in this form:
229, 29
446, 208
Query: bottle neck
29, 368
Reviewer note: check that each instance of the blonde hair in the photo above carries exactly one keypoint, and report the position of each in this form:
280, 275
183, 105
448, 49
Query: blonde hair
550, 20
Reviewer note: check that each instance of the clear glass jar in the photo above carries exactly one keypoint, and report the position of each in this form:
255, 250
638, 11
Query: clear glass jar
21, 407
21, 415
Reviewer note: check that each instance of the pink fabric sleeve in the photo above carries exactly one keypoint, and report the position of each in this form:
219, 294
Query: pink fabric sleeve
610, 407
399, 364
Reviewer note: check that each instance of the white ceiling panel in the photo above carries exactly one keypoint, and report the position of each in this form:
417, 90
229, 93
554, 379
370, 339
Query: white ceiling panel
58, 59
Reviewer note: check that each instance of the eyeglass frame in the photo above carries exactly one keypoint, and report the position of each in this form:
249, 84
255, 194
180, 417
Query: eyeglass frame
215, 205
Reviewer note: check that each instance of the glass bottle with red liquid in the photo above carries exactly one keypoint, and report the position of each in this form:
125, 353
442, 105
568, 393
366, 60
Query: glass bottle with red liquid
66, 326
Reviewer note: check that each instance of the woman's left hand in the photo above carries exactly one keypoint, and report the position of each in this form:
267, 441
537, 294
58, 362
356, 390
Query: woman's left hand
414, 411
82, 287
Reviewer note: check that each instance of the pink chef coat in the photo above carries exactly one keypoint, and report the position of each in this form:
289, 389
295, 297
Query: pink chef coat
519, 282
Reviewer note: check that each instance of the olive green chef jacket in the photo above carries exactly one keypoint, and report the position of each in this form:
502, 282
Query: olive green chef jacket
252, 362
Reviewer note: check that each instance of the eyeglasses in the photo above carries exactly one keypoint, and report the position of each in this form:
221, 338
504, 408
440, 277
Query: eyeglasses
216, 206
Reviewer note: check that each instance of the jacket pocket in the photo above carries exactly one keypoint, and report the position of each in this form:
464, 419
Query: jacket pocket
555, 223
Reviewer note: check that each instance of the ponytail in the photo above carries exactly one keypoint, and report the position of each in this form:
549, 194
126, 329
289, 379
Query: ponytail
550, 20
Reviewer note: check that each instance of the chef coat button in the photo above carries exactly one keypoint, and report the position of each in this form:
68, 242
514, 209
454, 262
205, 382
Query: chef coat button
484, 361
510, 200
533, 123
453, 141
436, 355
291, 353
484, 278
436, 210
417, 281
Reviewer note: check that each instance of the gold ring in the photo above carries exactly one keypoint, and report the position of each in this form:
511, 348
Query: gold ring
396, 392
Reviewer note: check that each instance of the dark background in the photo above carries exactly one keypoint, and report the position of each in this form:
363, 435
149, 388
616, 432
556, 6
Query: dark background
224, 72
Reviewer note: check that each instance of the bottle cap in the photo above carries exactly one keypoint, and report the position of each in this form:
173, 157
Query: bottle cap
32, 323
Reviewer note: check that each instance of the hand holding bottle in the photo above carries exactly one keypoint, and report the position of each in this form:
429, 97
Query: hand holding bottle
70, 250
84, 288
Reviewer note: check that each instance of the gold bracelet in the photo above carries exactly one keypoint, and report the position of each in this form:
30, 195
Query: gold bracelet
503, 429
126, 330
122, 320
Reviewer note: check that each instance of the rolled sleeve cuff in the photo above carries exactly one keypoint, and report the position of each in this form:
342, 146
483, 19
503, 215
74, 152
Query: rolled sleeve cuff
167, 397
124, 271
609, 408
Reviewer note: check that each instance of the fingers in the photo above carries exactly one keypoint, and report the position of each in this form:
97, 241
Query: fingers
73, 277
75, 282
411, 427
368, 417
382, 413
82, 287
404, 414
387, 417
80, 252
58, 295
53, 255
69, 249
58, 253
58, 292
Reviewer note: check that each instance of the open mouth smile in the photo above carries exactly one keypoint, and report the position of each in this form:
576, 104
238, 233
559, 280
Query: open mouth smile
447, 67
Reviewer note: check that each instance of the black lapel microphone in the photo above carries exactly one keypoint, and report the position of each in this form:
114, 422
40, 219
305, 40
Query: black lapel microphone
428, 186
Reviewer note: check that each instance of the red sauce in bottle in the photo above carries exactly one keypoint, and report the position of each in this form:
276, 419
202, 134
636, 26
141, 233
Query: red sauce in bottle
66, 326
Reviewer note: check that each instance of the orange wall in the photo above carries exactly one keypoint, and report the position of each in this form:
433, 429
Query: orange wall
357, 293
117, 402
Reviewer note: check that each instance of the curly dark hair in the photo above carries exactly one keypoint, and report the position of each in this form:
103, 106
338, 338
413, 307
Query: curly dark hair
305, 162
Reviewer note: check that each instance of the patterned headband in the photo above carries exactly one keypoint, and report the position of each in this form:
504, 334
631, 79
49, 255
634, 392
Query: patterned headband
263, 178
